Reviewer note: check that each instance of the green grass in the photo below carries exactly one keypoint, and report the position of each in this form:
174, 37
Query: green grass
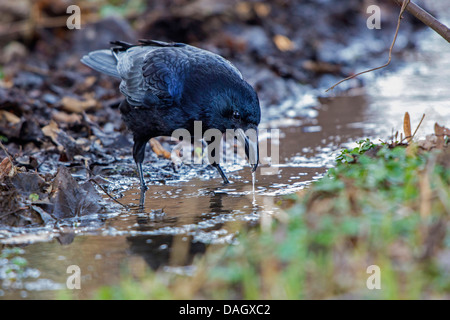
380, 205
121, 8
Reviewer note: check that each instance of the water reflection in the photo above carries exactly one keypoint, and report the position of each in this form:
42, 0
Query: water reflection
170, 239
161, 250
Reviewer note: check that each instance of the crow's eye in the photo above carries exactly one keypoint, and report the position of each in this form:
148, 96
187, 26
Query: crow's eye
236, 115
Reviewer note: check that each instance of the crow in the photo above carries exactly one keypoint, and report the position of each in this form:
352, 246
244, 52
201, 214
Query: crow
169, 86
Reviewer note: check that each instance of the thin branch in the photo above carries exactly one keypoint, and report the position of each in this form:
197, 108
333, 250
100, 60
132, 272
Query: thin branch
404, 5
107, 193
14, 211
427, 19
417, 128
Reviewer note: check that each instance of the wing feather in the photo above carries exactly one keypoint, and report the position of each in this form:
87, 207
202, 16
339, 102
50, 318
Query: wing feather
157, 70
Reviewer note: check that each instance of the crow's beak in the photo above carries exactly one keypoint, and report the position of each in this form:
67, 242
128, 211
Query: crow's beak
250, 141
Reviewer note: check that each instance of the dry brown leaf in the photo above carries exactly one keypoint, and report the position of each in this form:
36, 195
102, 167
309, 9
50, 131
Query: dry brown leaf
445, 131
7, 169
72, 199
89, 81
60, 116
9, 117
158, 149
51, 130
243, 9
74, 105
407, 127
262, 9
283, 43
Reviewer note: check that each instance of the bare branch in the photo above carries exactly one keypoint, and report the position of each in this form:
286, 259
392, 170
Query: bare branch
420, 14
404, 5
427, 19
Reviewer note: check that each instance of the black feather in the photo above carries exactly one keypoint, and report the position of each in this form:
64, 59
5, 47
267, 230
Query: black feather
169, 86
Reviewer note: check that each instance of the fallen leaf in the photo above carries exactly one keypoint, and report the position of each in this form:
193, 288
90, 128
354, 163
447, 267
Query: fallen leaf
9, 117
60, 138
88, 82
29, 183
74, 105
66, 117
407, 127
262, 9
71, 199
243, 9
46, 217
51, 130
283, 43
158, 149
7, 169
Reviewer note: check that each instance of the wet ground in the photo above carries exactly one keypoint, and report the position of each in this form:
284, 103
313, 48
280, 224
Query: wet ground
182, 218
185, 215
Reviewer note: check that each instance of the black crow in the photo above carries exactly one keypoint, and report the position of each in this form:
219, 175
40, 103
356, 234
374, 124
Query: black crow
168, 86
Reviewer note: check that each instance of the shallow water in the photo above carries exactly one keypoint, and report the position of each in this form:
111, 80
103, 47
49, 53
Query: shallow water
182, 218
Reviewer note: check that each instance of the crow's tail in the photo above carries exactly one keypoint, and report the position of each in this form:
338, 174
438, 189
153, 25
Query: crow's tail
103, 61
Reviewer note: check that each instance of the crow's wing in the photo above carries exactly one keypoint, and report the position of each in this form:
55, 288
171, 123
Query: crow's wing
129, 66
155, 71
165, 71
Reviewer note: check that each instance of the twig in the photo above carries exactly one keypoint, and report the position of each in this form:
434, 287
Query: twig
103, 189
14, 211
418, 126
106, 192
404, 5
427, 19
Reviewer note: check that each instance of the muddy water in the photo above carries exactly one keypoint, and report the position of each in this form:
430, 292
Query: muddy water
181, 219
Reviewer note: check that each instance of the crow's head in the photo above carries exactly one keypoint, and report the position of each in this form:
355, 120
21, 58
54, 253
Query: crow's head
237, 107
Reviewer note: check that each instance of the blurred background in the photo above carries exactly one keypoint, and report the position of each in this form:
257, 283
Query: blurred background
283, 47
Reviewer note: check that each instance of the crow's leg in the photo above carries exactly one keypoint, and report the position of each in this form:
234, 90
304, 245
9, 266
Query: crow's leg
217, 165
222, 174
142, 199
138, 155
